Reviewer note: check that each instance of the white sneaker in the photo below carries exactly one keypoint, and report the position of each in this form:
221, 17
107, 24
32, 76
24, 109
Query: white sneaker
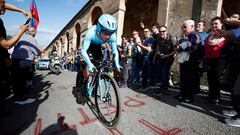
229, 113
30, 100
21, 102
27, 101
233, 121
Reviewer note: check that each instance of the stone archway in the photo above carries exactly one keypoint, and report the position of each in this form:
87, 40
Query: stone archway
57, 47
78, 34
139, 11
96, 12
63, 52
229, 8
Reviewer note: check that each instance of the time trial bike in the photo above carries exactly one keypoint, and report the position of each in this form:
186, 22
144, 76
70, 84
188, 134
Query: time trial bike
104, 89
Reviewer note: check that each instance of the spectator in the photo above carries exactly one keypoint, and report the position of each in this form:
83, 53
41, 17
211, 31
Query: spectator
200, 27
164, 49
189, 67
155, 77
22, 72
230, 26
146, 49
107, 57
126, 58
235, 16
136, 58
4, 45
215, 61
233, 21
234, 79
233, 72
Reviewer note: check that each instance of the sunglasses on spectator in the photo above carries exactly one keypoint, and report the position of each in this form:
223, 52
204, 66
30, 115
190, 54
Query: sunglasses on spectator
162, 31
184, 27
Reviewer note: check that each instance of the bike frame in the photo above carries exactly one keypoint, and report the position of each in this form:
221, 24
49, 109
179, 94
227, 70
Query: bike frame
91, 85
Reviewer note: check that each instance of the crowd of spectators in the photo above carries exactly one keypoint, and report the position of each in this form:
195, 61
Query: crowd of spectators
71, 61
147, 60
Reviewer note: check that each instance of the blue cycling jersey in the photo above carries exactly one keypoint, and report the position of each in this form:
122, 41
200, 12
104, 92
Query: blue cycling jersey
92, 37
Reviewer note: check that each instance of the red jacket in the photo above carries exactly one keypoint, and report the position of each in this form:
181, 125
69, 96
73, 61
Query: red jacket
213, 51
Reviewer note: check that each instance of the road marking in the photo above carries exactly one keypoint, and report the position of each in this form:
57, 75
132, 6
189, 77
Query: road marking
61, 88
136, 102
86, 118
37, 129
140, 95
115, 131
64, 126
158, 130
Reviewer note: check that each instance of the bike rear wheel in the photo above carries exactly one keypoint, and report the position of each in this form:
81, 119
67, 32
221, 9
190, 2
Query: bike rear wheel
107, 101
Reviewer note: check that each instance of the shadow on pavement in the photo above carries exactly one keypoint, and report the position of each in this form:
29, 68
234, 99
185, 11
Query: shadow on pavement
60, 128
88, 101
18, 118
200, 104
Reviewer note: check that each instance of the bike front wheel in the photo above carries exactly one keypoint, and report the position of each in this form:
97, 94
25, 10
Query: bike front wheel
107, 100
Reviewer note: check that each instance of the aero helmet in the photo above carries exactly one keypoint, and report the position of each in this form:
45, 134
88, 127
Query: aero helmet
106, 22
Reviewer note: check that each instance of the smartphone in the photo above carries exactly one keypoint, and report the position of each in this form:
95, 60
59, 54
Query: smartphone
28, 20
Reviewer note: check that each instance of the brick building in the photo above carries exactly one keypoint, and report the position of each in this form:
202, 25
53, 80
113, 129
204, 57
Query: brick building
130, 13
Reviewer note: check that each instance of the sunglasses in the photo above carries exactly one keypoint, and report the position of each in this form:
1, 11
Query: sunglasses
106, 32
162, 31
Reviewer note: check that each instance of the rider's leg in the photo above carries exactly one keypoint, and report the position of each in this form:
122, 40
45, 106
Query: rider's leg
81, 84
85, 72
85, 80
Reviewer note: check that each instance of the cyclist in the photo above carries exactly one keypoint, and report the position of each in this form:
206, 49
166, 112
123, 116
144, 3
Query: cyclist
101, 33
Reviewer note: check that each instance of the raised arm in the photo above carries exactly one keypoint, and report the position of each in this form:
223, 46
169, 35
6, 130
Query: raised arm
14, 8
22, 29
11, 42
233, 22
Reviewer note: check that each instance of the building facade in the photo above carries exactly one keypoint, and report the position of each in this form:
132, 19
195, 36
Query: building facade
129, 14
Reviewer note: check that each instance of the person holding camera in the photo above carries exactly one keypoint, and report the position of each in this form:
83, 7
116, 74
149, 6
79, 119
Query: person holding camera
5, 44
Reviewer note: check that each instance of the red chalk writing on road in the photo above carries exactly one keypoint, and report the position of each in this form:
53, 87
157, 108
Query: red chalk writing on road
86, 118
158, 130
131, 102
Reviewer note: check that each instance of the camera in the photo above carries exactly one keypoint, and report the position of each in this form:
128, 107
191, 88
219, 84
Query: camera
28, 20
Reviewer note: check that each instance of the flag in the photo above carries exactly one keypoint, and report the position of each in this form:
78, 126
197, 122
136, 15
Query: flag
35, 18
